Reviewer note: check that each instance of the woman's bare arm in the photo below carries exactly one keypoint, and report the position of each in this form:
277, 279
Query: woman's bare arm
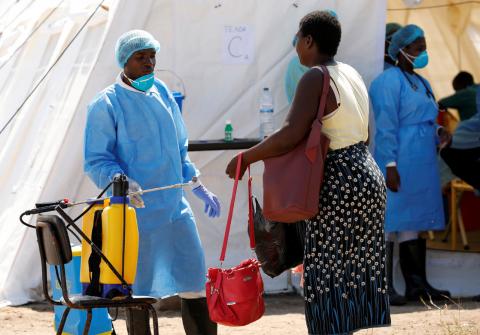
296, 126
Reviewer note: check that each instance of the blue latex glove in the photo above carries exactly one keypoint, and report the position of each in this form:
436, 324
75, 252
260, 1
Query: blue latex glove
212, 205
135, 199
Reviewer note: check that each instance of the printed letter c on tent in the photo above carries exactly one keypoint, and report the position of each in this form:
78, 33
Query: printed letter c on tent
235, 38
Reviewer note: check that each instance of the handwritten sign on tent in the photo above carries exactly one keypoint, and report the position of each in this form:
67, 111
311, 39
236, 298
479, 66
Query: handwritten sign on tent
238, 44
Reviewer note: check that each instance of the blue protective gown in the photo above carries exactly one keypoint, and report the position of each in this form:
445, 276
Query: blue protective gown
295, 71
143, 135
387, 65
406, 134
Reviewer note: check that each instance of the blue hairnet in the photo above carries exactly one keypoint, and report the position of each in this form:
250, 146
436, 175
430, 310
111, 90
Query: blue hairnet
332, 13
132, 41
402, 38
390, 29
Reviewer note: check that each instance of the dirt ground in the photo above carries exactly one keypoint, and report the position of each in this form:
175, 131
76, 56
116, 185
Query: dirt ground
284, 316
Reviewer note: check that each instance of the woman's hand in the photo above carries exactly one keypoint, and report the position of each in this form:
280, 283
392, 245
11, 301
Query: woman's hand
232, 167
393, 179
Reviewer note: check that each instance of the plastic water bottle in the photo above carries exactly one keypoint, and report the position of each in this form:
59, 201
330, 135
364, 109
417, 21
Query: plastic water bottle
266, 114
228, 131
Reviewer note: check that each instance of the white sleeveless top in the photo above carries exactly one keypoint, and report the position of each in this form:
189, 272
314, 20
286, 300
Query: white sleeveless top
348, 124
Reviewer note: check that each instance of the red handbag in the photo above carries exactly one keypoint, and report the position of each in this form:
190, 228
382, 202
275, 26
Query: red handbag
235, 295
292, 182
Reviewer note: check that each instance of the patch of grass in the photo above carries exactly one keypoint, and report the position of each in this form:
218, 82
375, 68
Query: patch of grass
451, 317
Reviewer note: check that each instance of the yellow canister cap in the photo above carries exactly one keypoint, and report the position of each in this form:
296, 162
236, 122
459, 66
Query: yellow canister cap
77, 250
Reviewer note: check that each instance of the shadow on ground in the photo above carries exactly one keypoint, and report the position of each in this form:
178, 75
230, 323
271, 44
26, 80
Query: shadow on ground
290, 303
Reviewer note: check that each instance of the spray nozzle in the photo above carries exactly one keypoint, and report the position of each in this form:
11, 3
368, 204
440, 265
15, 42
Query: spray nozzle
120, 186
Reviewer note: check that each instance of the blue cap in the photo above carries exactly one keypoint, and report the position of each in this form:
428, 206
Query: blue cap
390, 29
402, 38
131, 42
332, 13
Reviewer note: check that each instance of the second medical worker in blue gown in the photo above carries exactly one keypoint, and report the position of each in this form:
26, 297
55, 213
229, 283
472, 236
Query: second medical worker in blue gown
405, 149
135, 127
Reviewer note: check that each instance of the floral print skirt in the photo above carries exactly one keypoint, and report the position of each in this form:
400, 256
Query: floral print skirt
345, 287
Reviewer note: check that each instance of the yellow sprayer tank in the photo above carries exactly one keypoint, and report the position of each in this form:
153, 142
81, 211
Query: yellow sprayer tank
87, 225
112, 242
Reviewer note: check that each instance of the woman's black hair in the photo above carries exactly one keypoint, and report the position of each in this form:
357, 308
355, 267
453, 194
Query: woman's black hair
325, 30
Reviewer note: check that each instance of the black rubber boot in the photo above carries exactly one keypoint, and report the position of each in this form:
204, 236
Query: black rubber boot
412, 261
395, 298
195, 317
138, 321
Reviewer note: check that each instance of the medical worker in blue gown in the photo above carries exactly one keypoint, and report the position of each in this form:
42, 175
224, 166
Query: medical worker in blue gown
135, 127
295, 71
405, 149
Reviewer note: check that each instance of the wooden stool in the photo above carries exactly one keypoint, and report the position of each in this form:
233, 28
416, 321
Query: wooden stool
457, 187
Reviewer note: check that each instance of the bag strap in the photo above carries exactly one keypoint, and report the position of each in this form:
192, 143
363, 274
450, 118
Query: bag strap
325, 90
232, 205
314, 137
251, 231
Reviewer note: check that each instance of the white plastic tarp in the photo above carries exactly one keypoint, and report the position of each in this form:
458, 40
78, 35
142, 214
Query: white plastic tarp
192, 34
41, 158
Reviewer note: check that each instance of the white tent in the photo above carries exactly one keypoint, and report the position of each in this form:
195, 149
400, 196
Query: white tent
41, 150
